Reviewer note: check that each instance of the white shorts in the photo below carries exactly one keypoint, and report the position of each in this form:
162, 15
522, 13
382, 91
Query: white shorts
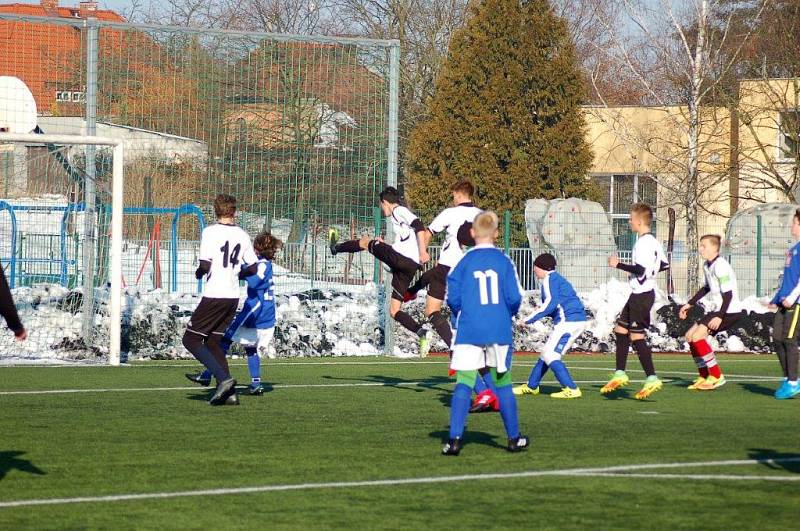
255, 337
561, 339
474, 357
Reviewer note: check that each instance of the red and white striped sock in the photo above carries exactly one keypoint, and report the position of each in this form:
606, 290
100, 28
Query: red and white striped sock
702, 369
709, 358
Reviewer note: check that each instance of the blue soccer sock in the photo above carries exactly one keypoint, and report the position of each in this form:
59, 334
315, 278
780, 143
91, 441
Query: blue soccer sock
508, 410
483, 382
537, 373
206, 374
480, 385
459, 408
253, 365
562, 374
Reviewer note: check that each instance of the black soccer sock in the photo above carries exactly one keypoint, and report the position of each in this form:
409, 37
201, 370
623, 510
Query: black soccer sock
780, 350
350, 246
623, 345
215, 347
645, 356
195, 344
407, 321
792, 353
442, 327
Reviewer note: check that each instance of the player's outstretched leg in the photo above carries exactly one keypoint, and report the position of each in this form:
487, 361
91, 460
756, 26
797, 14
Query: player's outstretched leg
254, 367
619, 379
569, 389
651, 382
715, 378
791, 387
459, 409
349, 246
508, 411
532, 387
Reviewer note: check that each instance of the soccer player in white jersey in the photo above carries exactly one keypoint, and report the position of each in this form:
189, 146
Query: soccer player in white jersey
223, 248
455, 222
721, 286
402, 256
634, 320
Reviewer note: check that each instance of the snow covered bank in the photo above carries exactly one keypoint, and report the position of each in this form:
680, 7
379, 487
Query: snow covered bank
336, 320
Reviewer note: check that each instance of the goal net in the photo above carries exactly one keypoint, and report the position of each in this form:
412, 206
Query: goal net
61, 245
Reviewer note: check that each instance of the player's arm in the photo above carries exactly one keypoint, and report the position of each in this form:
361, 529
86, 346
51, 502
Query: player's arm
7, 308
512, 289
206, 255
634, 269
548, 303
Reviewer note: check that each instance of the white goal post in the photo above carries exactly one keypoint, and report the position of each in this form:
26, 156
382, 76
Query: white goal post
115, 266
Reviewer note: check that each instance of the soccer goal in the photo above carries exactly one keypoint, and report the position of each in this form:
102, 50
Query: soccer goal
61, 215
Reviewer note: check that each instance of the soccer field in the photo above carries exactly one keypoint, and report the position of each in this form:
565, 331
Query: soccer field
356, 442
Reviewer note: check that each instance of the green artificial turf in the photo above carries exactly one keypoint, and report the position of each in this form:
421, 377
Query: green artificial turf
362, 419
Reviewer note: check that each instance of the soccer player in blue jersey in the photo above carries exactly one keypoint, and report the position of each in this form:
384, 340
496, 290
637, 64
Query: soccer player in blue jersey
254, 325
484, 294
561, 303
785, 327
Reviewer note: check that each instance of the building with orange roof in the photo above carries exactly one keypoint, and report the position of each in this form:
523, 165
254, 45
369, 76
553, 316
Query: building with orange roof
54, 69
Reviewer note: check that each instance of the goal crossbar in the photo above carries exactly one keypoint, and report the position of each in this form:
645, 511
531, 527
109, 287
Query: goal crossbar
115, 299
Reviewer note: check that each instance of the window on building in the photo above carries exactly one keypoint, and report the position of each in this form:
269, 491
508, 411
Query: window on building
63, 96
620, 191
789, 135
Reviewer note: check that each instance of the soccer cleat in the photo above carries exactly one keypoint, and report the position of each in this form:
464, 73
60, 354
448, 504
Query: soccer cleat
566, 392
525, 389
485, 401
697, 383
225, 389
453, 447
712, 383
518, 443
787, 391
333, 238
255, 389
651, 385
408, 296
198, 378
618, 379
232, 400
424, 342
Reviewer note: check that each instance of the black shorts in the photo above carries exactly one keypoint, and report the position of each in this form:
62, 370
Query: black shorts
402, 267
212, 316
437, 283
728, 321
635, 315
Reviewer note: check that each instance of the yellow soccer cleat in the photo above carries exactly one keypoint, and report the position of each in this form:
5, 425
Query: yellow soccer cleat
651, 385
697, 383
566, 392
618, 379
712, 383
525, 390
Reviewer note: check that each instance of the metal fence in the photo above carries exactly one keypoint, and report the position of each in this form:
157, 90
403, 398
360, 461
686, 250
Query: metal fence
302, 130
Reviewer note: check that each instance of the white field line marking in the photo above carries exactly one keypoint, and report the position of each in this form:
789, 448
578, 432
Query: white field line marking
283, 386
278, 362
612, 471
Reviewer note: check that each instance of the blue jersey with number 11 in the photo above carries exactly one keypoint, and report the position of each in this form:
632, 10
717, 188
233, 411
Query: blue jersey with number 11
484, 294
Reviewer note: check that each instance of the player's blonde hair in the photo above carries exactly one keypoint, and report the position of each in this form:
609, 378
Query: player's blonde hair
644, 211
716, 239
485, 224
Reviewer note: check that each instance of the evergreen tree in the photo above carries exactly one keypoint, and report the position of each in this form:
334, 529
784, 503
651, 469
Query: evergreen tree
505, 115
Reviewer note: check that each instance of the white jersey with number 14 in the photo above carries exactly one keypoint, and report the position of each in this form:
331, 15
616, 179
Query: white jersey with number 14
227, 247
